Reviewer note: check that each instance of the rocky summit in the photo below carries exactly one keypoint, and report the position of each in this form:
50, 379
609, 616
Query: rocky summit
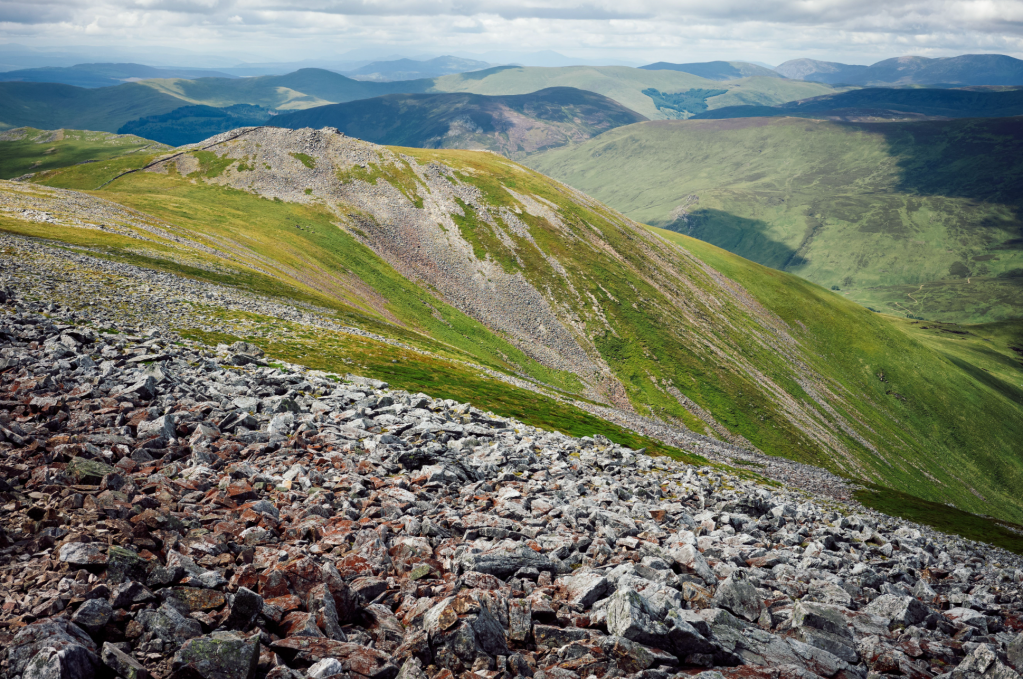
178, 510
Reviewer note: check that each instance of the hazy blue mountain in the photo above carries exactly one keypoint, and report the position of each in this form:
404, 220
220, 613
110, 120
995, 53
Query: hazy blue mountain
103, 75
411, 69
966, 69
717, 70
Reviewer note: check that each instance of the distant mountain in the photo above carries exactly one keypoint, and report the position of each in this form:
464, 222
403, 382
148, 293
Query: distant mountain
191, 124
305, 88
410, 69
885, 103
717, 70
53, 105
513, 125
103, 75
651, 94
967, 69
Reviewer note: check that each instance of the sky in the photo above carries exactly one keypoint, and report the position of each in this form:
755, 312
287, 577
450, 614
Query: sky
639, 31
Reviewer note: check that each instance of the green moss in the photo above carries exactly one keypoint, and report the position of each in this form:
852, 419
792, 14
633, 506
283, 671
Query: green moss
305, 159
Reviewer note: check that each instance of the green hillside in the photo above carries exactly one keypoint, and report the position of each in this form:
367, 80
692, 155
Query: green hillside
625, 85
469, 259
916, 219
880, 102
51, 106
26, 149
513, 125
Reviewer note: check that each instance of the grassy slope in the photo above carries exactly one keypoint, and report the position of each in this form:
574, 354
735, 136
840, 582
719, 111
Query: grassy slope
665, 324
38, 150
917, 218
52, 106
625, 85
960, 426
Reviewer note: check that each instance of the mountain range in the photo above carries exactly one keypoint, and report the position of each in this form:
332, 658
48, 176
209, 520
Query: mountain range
717, 70
885, 103
966, 69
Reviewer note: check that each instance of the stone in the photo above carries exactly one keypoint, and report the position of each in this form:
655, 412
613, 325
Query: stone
738, 596
584, 589
505, 558
220, 655
358, 660
129, 593
81, 555
122, 664
245, 606
55, 633
73, 662
982, 661
327, 667
169, 625
899, 611
125, 564
320, 604
162, 426
93, 615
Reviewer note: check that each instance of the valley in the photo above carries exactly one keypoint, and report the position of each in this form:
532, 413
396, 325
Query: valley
914, 219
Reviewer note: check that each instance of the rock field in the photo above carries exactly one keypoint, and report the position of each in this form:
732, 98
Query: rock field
177, 510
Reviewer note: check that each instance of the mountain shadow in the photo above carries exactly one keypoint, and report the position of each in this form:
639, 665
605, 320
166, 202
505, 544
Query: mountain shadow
736, 234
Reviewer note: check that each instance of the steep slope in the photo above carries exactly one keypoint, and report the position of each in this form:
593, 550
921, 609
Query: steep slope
103, 75
105, 109
717, 70
513, 125
966, 69
917, 219
888, 104
412, 69
475, 258
24, 149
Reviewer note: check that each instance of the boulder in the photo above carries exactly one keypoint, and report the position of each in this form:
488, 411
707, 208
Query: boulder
220, 655
505, 558
73, 662
169, 625
56, 633
122, 664
738, 596
93, 615
899, 611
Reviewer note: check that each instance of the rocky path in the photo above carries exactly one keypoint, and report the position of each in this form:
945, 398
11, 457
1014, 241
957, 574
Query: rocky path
175, 510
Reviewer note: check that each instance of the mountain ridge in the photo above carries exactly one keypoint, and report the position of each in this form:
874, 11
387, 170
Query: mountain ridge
481, 259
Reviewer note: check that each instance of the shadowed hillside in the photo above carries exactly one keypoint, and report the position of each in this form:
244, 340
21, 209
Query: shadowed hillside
513, 125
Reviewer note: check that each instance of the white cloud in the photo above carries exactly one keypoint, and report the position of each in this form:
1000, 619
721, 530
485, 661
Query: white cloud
857, 31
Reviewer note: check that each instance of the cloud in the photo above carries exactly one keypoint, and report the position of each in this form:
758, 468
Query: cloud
857, 31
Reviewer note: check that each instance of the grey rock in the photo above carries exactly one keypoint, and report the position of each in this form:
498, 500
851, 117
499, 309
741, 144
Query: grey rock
57, 633
169, 625
122, 664
73, 662
505, 558
899, 611
220, 655
93, 615
738, 596
327, 667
